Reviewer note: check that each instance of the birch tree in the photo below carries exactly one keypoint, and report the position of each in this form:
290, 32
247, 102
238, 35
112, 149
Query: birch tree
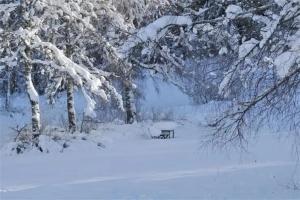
33, 21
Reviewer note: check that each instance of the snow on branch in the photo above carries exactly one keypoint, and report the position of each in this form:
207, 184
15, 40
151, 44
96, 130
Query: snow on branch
283, 62
7, 9
155, 30
96, 81
78, 73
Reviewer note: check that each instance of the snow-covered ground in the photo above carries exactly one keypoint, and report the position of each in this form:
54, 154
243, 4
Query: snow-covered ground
119, 161
133, 166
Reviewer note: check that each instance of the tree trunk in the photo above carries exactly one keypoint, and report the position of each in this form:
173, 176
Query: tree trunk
70, 105
70, 85
33, 97
129, 103
8, 92
25, 56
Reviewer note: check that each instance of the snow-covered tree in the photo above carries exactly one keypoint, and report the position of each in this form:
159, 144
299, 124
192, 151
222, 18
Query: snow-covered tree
260, 37
267, 67
90, 44
182, 37
33, 18
121, 21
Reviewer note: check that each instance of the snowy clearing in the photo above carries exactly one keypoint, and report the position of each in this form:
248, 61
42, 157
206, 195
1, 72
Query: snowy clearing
133, 166
153, 99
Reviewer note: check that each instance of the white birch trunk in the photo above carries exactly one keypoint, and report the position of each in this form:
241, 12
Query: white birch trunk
33, 98
70, 86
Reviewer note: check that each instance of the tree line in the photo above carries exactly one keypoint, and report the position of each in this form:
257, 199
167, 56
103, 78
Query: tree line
243, 52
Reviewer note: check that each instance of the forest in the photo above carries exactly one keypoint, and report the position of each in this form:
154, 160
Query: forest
77, 76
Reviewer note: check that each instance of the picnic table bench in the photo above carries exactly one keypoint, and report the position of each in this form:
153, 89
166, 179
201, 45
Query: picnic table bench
165, 134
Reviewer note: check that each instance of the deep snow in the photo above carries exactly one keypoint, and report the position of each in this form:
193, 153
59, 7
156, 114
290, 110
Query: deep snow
132, 166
